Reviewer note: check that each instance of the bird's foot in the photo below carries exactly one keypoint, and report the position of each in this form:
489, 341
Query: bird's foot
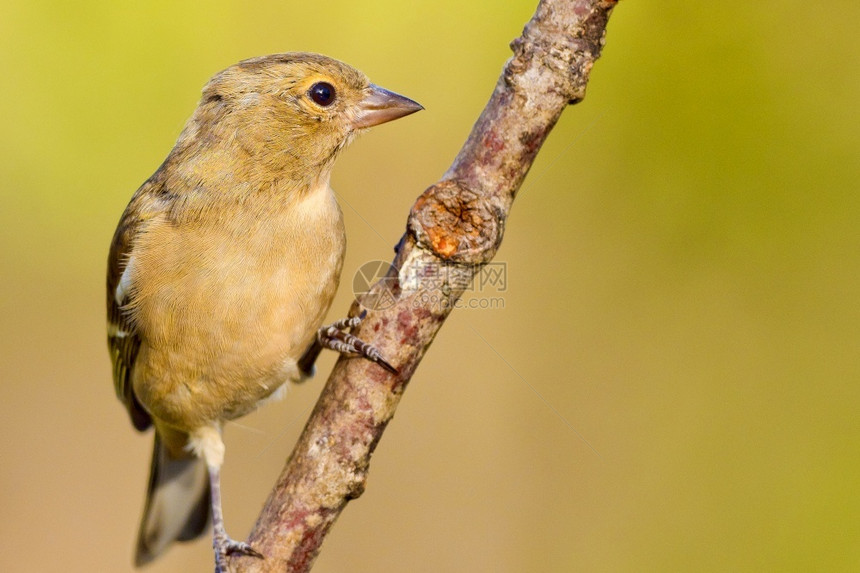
334, 338
224, 547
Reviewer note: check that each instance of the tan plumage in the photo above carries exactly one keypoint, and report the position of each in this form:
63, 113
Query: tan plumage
225, 263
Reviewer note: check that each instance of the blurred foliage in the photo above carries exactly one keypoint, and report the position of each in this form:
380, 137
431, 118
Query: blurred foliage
683, 286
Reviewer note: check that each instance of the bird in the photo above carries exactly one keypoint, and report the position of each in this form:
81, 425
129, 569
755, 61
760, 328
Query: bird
223, 267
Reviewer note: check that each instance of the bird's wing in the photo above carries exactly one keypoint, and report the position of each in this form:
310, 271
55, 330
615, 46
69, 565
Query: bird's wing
123, 339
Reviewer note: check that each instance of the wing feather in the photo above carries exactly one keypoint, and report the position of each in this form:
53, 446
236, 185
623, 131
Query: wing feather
123, 340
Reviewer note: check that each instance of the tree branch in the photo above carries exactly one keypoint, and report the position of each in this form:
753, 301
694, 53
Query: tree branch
454, 228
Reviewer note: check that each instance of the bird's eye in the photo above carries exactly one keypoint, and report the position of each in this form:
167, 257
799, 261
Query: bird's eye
322, 93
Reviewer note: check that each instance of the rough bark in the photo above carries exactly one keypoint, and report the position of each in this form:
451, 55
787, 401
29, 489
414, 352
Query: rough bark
454, 228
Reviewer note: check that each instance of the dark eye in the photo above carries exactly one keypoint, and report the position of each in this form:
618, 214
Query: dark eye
322, 93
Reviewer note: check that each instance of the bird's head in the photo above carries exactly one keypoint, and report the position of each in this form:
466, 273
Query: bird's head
296, 110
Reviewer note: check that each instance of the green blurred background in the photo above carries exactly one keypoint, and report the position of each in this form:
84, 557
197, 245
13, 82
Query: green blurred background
671, 385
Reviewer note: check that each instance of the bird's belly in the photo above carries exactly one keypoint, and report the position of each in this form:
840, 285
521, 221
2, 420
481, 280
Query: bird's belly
222, 336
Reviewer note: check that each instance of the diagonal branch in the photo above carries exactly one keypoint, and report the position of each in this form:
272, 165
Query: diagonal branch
454, 228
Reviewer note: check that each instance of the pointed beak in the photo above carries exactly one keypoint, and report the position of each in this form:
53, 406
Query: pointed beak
381, 105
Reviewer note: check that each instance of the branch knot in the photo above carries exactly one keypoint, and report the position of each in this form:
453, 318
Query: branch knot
457, 224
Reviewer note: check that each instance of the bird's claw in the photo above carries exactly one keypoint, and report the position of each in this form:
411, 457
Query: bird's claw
334, 338
241, 548
225, 547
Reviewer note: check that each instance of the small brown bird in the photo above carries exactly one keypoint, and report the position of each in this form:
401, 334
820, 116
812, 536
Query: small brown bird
223, 266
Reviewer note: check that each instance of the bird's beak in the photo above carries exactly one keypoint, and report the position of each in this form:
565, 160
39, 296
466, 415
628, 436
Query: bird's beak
381, 105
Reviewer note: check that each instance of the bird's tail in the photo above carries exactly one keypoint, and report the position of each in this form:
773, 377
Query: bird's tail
177, 501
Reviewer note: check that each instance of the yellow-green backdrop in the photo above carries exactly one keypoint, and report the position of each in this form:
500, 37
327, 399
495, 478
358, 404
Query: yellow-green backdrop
669, 383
